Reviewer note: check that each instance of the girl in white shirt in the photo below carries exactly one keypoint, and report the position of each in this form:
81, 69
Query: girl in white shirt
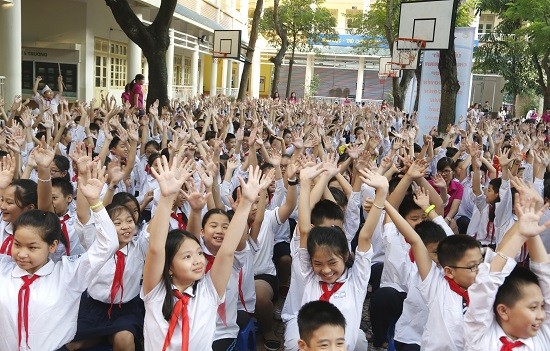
180, 301
39, 296
325, 262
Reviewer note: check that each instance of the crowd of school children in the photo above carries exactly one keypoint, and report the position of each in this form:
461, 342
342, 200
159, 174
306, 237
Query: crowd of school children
176, 228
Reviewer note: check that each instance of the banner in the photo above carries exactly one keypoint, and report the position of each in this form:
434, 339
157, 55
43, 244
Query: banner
429, 103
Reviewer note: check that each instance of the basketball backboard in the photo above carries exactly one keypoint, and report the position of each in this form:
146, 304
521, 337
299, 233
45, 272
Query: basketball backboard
227, 44
407, 56
385, 68
429, 21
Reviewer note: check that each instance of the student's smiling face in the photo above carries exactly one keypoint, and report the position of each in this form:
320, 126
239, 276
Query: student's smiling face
29, 251
188, 264
327, 265
326, 337
525, 317
214, 231
461, 272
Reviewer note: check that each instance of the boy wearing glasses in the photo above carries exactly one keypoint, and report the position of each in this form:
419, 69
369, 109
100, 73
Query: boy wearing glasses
445, 290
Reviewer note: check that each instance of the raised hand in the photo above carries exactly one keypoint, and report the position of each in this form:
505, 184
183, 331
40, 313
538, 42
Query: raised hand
417, 169
7, 171
422, 198
196, 196
171, 178
526, 190
44, 154
504, 158
91, 185
115, 171
439, 181
330, 165
355, 150
251, 189
206, 177
528, 223
373, 179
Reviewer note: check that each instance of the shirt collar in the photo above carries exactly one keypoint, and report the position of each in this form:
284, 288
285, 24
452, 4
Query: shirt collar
46, 269
527, 342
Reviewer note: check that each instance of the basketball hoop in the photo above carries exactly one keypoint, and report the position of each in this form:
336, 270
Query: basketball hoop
406, 52
382, 78
219, 55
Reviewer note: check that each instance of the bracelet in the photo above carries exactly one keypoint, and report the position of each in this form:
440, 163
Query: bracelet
96, 206
429, 209
378, 207
506, 258
45, 180
293, 182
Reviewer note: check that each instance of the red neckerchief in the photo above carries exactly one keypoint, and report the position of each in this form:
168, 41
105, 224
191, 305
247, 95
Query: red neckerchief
118, 283
23, 308
328, 293
65, 232
508, 345
180, 308
460, 291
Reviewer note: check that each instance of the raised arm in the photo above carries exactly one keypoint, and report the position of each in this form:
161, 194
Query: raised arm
221, 269
170, 180
307, 175
44, 155
421, 255
380, 183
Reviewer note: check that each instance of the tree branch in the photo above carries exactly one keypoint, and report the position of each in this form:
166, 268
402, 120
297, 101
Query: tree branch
540, 74
161, 24
129, 22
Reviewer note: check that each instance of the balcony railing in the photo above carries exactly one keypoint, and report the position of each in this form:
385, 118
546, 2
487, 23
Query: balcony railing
2, 82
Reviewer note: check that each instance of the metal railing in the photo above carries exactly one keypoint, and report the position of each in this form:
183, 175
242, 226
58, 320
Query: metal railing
2, 82
182, 92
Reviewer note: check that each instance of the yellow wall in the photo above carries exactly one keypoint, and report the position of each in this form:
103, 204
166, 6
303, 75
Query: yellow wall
266, 71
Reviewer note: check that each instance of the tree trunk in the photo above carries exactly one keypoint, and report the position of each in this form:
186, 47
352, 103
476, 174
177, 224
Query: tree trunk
399, 87
290, 64
449, 87
153, 41
250, 51
418, 75
278, 59
546, 99
158, 87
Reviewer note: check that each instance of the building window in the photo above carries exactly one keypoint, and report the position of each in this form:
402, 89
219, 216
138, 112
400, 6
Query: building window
486, 24
187, 71
352, 21
177, 70
110, 63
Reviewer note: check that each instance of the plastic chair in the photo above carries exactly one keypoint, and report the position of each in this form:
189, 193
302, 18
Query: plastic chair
246, 340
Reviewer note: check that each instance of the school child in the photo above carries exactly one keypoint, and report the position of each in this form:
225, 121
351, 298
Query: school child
47, 100
324, 259
39, 296
322, 327
211, 231
181, 302
266, 223
444, 291
509, 304
18, 196
112, 310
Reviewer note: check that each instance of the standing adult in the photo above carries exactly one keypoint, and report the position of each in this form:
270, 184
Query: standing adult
136, 91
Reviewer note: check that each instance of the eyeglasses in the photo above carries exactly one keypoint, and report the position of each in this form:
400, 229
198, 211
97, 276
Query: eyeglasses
473, 268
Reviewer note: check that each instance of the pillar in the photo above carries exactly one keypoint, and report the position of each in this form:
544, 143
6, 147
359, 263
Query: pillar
360, 76
194, 71
214, 77
170, 64
134, 53
229, 79
223, 85
201, 75
255, 74
10, 55
310, 62
240, 68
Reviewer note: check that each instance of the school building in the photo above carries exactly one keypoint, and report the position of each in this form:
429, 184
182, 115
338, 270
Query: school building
82, 40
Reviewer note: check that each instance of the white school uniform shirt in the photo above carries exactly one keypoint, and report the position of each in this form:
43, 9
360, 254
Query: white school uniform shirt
444, 326
279, 195
352, 216
293, 301
377, 240
397, 264
466, 208
350, 295
481, 330
231, 329
134, 260
202, 310
6, 228
74, 238
479, 221
504, 219
410, 325
263, 255
248, 288
54, 297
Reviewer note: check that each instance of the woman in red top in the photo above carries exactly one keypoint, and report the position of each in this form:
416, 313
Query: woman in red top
136, 92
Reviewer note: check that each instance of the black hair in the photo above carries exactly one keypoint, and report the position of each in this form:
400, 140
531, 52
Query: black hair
154, 143
511, 290
430, 232
229, 136
26, 193
315, 314
209, 135
212, 212
94, 126
407, 205
64, 185
445, 162
114, 142
46, 224
62, 163
339, 196
123, 198
114, 210
326, 209
174, 240
332, 238
152, 158
451, 249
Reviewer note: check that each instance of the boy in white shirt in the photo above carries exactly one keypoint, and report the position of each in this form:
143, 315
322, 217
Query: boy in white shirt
444, 291
509, 303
